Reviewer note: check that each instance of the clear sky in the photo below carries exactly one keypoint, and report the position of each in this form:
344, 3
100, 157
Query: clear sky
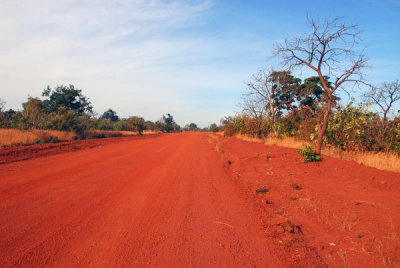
187, 58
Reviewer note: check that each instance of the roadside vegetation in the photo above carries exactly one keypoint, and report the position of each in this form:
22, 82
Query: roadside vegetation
280, 108
64, 113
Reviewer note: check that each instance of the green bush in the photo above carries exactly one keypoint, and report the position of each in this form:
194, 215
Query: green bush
308, 154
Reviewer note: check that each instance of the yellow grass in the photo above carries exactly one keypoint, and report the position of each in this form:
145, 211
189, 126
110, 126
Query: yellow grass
383, 161
9, 137
127, 133
149, 132
289, 142
144, 132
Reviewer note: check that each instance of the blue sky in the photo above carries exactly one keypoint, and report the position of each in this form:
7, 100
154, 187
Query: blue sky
187, 58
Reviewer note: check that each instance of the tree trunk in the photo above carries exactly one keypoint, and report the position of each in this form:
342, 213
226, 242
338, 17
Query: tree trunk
272, 117
322, 126
259, 128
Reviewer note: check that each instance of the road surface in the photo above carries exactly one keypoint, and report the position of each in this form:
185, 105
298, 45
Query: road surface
165, 201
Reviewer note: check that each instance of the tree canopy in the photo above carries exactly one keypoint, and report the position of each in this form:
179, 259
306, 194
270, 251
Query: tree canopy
111, 115
68, 97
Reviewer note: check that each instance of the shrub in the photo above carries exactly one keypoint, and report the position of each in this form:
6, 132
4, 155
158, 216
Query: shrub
308, 154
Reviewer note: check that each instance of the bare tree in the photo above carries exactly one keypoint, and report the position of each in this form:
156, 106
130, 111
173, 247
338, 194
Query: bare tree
384, 97
269, 92
2, 104
255, 108
329, 50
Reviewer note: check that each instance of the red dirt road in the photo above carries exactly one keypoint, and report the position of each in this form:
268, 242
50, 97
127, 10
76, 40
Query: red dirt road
165, 201
189, 200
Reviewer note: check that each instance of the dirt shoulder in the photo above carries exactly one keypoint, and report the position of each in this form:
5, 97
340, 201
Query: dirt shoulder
348, 213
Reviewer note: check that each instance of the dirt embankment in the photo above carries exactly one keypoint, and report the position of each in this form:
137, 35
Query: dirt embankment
191, 199
348, 213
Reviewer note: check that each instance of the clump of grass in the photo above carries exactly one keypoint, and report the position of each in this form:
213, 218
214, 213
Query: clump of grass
308, 154
261, 189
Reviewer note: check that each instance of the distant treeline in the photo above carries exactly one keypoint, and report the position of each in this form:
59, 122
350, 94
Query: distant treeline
66, 108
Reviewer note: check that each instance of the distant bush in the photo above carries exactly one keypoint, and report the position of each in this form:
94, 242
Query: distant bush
97, 134
308, 154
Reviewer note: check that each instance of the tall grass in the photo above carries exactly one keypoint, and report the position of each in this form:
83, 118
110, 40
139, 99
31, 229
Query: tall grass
383, 161
10, 137
289, 142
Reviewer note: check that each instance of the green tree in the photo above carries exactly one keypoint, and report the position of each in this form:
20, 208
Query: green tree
10, 119
135, 123
111, 115
105, 124
68, 97
149, 125
213, 127
35, 113
168, 121
65, 119
268, 93
192, 127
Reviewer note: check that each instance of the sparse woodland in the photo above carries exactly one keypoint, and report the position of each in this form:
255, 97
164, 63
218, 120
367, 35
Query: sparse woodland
276, 103
65, 108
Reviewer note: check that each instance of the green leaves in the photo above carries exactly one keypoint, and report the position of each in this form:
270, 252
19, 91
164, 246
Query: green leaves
308, 154
352, 128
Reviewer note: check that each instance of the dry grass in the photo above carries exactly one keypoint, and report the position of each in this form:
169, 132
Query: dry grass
124, 133
13, 137
10, 137
94, 134
384, 161
149, 132
287, 142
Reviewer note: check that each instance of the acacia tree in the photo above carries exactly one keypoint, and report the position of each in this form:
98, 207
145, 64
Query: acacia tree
329, 50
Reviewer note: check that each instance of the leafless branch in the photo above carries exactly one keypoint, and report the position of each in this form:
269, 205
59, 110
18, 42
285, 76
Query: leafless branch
329, 49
